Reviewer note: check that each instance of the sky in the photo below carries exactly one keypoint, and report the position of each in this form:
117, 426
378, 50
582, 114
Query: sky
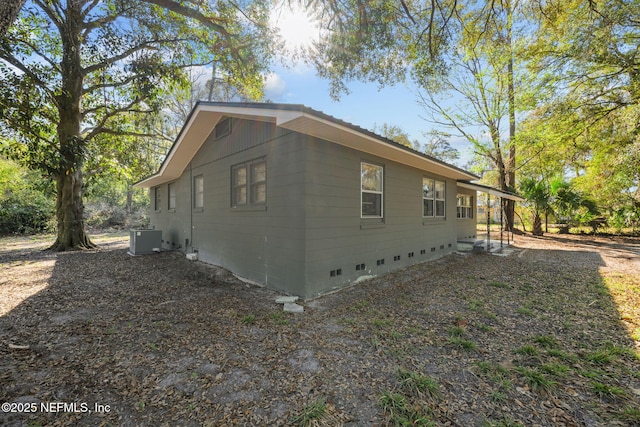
367, 105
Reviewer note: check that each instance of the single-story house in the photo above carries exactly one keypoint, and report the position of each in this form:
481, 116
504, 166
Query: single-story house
303, 202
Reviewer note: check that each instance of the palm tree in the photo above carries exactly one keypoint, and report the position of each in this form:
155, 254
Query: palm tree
537, 193
565, 201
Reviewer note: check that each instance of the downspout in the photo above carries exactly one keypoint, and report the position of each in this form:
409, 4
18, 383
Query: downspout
190, 207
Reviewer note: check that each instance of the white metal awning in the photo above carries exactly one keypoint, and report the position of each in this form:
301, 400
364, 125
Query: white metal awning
491, 190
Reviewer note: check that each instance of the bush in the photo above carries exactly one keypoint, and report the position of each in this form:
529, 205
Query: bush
25, 215
101, 215
26, 200
626, 217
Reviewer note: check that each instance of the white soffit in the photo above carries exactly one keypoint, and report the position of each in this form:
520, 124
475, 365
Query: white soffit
348, 137
205, 117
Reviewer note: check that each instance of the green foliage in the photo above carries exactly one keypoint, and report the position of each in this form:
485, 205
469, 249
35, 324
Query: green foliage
402, 412
24, 205
249, 319
527, 350
587, 128
537, 194
314, 411
418, 384
82, 83
536, 379
374, 41
546, 341
605, 390
462, 343
631, 414
555, 369
112, 203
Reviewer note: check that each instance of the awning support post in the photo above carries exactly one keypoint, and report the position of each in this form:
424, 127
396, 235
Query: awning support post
501, 219
488, 222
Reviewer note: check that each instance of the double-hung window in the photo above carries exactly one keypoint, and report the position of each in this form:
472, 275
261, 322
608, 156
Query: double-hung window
464, 206
433, 198
372, 193
249, 183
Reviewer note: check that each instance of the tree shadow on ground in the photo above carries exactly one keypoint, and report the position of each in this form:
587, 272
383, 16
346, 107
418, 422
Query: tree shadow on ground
158, 339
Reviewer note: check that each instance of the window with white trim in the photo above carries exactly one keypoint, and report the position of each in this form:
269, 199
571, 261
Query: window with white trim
198, 192
372, 190
464, 206
433, 198
171, 187
249, 183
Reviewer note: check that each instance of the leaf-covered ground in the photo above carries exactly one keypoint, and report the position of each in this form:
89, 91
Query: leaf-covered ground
547, 335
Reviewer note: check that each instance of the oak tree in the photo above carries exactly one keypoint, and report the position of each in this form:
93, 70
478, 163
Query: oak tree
77, 76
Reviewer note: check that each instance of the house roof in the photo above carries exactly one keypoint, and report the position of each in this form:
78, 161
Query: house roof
491, 190
299, 118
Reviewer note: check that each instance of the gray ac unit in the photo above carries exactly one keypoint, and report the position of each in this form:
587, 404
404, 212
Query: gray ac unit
145, 241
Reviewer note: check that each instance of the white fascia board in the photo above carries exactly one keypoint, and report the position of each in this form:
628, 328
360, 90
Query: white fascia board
198, 128
489, 190
205, 117
352, 138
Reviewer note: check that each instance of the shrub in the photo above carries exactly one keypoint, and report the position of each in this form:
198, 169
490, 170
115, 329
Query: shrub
25, 215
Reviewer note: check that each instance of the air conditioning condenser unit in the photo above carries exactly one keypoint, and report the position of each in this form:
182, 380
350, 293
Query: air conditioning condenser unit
145, 241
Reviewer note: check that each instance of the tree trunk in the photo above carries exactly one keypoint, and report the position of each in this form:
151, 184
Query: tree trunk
510, 181
537, 225
70, 213
9, 10
129, 205
69, 184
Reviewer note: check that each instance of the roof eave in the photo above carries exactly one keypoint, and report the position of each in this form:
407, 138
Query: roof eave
298, 118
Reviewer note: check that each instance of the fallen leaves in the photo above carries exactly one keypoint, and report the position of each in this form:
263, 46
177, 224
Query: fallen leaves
161, 338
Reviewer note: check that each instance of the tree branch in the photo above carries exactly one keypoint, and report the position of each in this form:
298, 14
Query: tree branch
150, 44
191, 13
36, 79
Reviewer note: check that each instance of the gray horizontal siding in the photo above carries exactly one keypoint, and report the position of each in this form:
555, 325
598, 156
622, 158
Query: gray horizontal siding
265, 245
311, 223
336, 236
175, 230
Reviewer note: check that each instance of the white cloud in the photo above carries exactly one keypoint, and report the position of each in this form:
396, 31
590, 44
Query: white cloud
274, 86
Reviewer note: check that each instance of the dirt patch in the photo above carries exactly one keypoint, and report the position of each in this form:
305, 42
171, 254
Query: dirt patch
547, 335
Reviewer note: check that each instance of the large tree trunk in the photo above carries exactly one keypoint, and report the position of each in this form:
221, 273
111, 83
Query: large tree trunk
70, 213
69, 206
510, 181
9, 10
